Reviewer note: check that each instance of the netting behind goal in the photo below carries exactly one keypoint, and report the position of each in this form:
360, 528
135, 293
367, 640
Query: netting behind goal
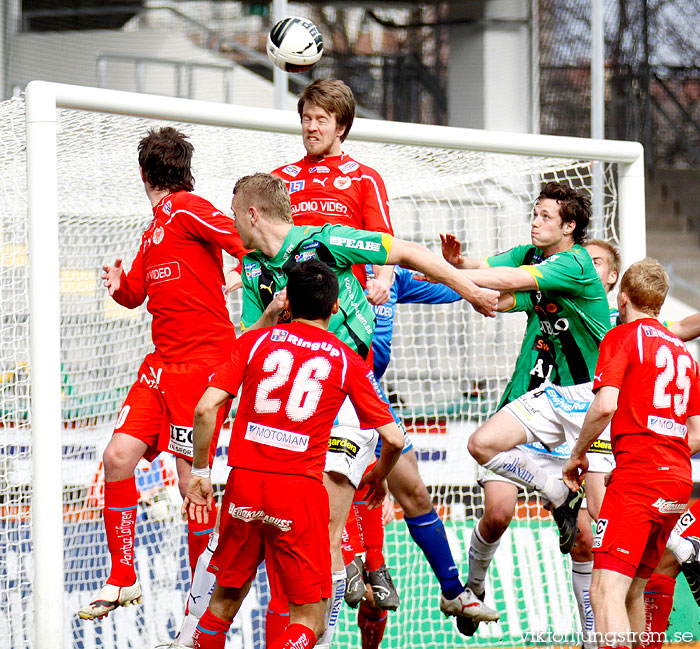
448, 369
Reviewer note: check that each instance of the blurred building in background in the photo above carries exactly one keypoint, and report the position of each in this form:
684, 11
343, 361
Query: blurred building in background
511, 65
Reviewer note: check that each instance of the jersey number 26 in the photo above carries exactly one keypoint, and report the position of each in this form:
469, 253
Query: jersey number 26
306, 389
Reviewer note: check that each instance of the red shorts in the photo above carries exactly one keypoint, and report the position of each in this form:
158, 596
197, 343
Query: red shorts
159, 409
689, 522
283, 518
634, 525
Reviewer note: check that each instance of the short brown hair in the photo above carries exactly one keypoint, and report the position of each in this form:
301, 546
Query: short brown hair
268, 193
646, 284
165, 157
613, 253
574, 206
334, 97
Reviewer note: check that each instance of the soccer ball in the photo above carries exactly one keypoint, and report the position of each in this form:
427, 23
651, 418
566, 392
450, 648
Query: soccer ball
294, 44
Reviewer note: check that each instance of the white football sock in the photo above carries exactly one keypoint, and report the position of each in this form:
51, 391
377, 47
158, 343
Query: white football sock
480, 556
203, 583
682, 548
333, 610
581, 579
518, 466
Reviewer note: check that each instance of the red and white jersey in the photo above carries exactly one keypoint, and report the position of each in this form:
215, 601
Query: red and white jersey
179, 269
337, 190
658, 382
294, 379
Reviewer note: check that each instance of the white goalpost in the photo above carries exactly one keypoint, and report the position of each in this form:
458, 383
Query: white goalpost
85, 206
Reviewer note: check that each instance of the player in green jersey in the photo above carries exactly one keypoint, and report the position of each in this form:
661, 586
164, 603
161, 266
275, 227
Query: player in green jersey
264, 220
536, 364
562, 292
340, 247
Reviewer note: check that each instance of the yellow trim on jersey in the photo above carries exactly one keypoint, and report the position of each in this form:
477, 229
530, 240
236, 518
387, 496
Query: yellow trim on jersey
534, 272
243, 327
387, 240
515, 302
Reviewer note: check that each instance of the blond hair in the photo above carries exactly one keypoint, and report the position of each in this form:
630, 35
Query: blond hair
646, 284
613, 253
267, 193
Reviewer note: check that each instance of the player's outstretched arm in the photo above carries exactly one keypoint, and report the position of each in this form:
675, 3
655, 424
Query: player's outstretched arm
413, 255
452, 252
129, 290
200, 493
502, 278
379, 287
392, 446
688, 328
112, 276
599, 414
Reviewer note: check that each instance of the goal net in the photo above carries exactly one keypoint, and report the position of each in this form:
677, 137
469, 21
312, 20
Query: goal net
448, 368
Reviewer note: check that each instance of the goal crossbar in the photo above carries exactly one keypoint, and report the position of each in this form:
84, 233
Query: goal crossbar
42, 101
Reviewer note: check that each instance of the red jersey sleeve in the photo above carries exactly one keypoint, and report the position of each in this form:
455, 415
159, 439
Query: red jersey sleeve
132, 286
375, 203
203, 221
229, 376
614, 357
371, 410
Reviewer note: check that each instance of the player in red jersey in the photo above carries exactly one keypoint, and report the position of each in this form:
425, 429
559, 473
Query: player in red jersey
293, 379
178, 267
682, 554
646, 386
327, 185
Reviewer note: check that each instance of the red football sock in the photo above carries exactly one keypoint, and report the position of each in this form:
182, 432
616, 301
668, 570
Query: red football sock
276, 619
210, 632
658, 602
372, 534
372, 622
198, 536
296, 636
371, 527
121, 499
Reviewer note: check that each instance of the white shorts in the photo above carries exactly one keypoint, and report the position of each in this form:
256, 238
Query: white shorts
600, 455
350, 448
553, 414
551, 462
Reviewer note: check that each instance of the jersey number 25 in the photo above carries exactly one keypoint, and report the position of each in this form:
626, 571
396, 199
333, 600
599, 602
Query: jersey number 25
669, 371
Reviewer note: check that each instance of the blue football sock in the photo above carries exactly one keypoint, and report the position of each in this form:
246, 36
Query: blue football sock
428, 532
